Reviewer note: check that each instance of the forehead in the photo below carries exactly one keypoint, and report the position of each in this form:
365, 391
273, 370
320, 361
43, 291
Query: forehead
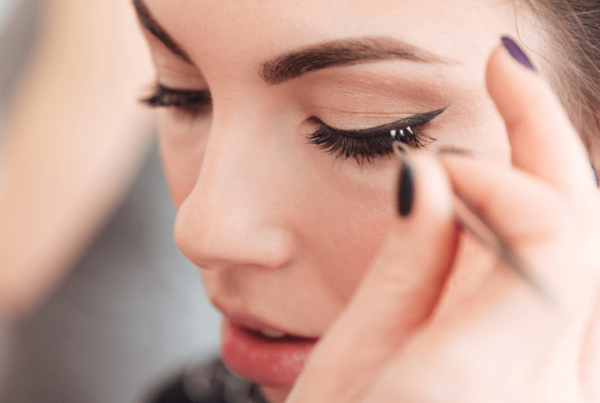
250, 31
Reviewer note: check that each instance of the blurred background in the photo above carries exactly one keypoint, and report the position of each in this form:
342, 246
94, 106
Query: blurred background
96, 302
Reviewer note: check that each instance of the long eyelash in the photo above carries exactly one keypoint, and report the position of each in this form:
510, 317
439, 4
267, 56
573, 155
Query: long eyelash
364, 148
364, 145
192, 103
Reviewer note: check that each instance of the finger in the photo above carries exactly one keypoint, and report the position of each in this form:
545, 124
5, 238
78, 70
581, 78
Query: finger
481, 353
590, 356
531, 218
544, 142
495, 347
396, 295
506, 315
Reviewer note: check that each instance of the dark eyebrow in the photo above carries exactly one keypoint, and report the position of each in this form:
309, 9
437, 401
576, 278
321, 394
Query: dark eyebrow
339, 53
149, 22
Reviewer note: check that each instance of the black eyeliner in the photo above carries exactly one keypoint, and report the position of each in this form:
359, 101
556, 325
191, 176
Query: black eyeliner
413, 120
361, 144
365, 144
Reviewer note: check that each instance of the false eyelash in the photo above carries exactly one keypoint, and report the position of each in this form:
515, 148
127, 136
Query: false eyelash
364, 145
364, 148
192, 103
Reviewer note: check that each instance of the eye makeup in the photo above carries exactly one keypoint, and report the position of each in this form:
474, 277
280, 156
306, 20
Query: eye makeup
471, 219
365, 144
191, 103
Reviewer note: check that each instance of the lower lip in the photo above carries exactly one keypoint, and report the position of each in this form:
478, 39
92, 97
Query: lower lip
270, 362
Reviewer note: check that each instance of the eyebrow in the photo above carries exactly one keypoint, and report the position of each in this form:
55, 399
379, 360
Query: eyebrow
149, 22
294, 64
342, 52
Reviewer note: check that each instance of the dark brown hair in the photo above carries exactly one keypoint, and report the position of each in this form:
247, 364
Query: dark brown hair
572, 50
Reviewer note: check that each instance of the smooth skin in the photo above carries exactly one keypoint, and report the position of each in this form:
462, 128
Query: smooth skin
504, 343
287, 233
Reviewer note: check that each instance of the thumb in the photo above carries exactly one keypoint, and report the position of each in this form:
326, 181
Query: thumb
397, 294
406, 278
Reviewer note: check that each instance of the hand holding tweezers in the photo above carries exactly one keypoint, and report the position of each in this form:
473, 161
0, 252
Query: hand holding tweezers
472, 220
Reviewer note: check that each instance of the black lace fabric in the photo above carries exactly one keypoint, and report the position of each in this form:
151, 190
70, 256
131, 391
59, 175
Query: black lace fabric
209, 382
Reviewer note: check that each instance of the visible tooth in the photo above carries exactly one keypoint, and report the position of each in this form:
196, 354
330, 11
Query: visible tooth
272, 333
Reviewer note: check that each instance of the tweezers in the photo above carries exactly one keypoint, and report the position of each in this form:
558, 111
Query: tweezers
472, 220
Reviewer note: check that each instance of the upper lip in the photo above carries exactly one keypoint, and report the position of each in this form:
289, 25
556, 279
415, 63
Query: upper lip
250, 321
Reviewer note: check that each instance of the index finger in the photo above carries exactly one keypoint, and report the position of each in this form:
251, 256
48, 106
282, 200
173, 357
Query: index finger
543, 140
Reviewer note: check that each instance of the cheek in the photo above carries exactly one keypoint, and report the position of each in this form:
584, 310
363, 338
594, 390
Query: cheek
348, 211
344, 263
182, 146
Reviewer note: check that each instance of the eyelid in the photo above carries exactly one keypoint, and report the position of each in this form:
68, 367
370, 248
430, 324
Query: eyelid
414, 120
365, 144
165, 96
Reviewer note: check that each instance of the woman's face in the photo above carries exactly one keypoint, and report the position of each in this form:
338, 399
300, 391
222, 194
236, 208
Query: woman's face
283, 229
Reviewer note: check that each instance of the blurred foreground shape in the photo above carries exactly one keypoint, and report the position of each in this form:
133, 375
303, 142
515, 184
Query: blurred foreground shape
132, 309
130, 313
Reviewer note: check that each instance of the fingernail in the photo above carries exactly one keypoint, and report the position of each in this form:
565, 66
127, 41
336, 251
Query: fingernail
406, 189
595, 176
516, 52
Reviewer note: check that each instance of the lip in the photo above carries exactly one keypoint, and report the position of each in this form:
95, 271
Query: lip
246, 320
273, 362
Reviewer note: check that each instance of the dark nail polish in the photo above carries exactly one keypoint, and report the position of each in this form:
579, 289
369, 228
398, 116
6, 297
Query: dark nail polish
595, 176
516, 52
406, 190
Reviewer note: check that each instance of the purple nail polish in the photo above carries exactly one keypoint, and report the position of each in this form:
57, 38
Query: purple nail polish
516, 52
595, 176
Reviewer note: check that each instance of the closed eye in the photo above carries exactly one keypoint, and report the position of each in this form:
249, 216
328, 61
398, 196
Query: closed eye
362, 145
365, 144
190, 102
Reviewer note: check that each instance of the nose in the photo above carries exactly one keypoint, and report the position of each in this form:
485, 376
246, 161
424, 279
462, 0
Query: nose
238, 212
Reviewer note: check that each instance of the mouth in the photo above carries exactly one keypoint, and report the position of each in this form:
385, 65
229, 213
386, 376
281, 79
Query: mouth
261, 353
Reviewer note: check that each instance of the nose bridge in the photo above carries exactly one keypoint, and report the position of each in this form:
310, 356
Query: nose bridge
233, 217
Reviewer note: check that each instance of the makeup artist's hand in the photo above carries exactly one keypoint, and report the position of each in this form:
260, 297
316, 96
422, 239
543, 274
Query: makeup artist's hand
503, 342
